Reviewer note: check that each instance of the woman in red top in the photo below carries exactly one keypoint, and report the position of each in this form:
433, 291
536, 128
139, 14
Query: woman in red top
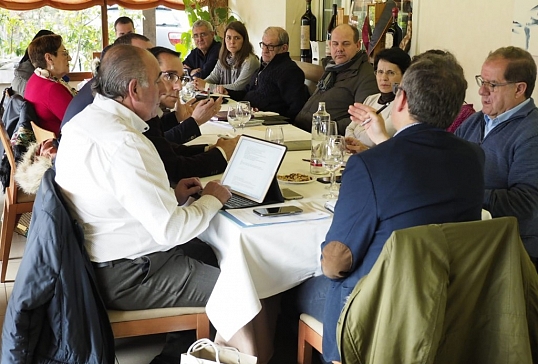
46, 90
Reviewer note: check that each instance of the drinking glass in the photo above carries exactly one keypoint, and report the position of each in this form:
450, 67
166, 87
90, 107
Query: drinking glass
275, 134
330, 128
332, 157
243, 113
233, 120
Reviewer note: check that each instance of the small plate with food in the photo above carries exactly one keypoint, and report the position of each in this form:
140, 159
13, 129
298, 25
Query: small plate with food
294, 178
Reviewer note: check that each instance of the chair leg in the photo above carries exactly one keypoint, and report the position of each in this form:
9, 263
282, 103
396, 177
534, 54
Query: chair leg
3, 230
202, 326
7, 237
304, 349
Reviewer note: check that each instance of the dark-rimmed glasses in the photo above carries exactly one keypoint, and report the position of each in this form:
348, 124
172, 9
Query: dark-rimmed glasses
490, 86
396, 87
269, 47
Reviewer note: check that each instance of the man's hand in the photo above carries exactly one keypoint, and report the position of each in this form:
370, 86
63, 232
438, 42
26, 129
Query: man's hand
214, 188
228, 145
355, 146
184, 111
373, 123
187, 187
206, 109
194, 71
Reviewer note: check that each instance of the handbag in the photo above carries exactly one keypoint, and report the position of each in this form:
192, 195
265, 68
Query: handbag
205, 351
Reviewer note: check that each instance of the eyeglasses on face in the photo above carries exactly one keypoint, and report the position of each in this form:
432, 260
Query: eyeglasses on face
389, 73
396, 87
269, 47
490, 86
174, 77
199, 35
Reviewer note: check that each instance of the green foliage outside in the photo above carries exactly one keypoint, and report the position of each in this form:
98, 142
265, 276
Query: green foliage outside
80, 30
218, 18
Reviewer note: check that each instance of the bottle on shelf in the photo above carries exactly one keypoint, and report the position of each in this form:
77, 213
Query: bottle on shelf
308, 32
320, 119
332, 24
394, 35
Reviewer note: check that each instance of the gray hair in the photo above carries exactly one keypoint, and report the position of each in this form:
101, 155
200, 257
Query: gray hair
435, 87
203, 23
122, 64
283, 37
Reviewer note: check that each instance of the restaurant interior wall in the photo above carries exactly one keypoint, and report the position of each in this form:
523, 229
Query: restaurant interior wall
469, 29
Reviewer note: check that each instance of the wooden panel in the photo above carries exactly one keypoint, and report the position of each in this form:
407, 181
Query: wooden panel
162, 325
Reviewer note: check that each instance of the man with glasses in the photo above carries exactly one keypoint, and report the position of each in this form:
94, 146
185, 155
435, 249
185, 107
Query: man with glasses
507, 130
348, 78
422, 175
278, 85
182, 161
202, 59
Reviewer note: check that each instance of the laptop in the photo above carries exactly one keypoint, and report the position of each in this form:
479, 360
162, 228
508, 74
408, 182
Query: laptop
251, 173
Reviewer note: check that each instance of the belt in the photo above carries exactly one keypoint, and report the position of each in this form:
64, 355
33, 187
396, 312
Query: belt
108, 264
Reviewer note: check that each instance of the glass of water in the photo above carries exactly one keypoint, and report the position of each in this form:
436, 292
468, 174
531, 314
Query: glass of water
275, 134
243, 112
332, 157
233, 120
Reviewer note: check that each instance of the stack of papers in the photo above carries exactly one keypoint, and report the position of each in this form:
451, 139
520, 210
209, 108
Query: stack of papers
247, 217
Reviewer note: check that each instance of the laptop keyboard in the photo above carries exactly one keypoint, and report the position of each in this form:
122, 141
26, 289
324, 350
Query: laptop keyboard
236, 202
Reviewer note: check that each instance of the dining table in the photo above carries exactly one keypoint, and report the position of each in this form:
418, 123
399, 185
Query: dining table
262, 260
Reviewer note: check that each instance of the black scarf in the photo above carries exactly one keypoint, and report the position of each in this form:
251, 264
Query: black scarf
332, 69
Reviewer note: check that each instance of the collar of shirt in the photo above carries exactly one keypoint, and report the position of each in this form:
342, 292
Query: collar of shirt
405, 127
123, 112
492, 123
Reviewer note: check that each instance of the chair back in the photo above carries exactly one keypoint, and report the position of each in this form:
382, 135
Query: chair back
41, 134
6, 143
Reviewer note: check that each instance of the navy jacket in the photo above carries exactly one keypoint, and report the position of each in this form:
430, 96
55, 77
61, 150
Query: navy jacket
423, 175
206, 62
511, 176
55, 313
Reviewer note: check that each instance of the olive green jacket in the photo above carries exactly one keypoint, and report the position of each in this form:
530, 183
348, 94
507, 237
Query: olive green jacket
451, 293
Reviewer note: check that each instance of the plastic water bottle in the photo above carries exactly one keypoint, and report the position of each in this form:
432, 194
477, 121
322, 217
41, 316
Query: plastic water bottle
319, 120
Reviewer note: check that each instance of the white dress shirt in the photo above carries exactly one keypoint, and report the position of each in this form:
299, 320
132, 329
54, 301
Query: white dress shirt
116, 186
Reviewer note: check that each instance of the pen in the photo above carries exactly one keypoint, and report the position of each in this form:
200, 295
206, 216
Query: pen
377, 112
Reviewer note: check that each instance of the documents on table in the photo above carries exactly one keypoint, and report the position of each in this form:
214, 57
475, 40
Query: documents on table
247, 218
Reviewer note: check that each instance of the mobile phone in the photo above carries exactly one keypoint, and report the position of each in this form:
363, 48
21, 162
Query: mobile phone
267, 122
278, 211
338, 179
289, 194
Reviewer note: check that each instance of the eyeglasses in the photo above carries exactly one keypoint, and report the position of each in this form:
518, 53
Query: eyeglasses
174, 77
389, 73
269, 47
490, 86
200, 35
396, 87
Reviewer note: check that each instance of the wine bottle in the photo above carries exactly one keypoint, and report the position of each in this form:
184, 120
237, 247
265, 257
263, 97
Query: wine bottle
393, 37
308, 32
332, 25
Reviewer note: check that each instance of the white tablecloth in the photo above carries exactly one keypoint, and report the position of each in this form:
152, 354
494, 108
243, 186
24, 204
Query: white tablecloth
261, 261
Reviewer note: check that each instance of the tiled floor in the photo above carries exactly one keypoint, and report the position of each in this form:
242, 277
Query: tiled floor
139, 350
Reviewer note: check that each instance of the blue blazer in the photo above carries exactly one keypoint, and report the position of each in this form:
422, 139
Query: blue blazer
423, 175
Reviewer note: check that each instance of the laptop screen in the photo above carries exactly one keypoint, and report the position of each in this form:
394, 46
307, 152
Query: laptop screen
253, 167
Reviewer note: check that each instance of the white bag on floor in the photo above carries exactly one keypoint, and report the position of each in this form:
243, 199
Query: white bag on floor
204, 351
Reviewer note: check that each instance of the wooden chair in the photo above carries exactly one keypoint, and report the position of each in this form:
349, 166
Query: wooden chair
159, 320
16, 203
41, 134
310, 336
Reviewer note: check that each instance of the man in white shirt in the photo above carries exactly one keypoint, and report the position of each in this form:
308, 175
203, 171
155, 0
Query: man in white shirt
116, 186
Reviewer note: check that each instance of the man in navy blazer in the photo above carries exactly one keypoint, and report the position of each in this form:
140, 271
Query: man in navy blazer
423, 175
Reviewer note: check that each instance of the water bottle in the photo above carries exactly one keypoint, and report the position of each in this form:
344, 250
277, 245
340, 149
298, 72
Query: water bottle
319, 120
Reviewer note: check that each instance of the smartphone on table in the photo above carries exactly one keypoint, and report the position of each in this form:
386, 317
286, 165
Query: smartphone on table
278, 211
290, 194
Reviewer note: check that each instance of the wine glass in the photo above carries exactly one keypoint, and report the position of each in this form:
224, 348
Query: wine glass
243, 113
332, 157
275, 134
233, 120
330, 128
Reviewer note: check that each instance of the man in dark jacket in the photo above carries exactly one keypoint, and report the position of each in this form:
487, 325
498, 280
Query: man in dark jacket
348, 78
202, 59
507, 130
278, 85
182, 161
